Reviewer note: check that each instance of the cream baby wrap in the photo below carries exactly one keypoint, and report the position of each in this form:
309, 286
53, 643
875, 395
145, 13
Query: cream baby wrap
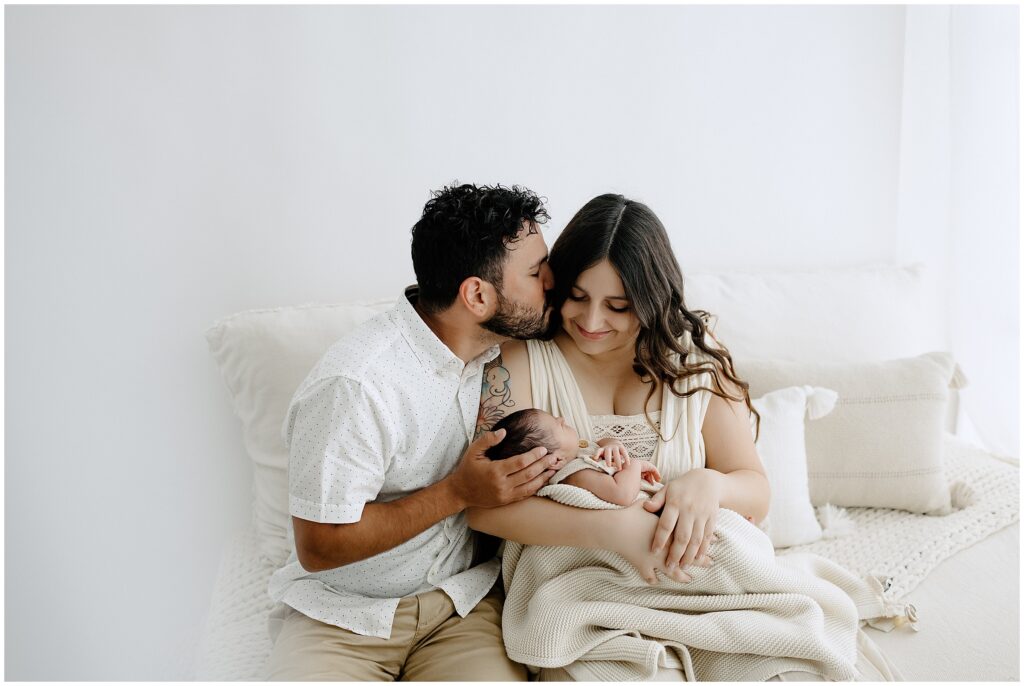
749, 617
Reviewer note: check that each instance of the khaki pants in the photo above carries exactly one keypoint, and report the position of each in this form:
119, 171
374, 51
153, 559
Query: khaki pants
429, 642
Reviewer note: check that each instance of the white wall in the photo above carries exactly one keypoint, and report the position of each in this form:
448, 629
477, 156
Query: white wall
958, 196
984, 310
170, 165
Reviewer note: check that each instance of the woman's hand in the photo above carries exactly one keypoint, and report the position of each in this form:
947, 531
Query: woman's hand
628, 536
689, 506
613, 452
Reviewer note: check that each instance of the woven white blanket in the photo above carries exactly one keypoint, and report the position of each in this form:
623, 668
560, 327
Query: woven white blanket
898, 545
906, 547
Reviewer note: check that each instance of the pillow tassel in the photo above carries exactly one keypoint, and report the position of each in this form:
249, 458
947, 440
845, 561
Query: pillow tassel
959, 379
820, 401
835, 521
961, 495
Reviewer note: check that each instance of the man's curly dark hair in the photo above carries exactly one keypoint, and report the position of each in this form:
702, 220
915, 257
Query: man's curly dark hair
465, 231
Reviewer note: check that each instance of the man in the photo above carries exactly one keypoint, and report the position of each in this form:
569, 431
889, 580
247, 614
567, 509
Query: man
380, 584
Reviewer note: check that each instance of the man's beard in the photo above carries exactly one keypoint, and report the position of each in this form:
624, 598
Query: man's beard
514, 320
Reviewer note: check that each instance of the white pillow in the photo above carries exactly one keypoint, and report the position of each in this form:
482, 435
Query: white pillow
264, 355
781, 446
849, 314
882, 445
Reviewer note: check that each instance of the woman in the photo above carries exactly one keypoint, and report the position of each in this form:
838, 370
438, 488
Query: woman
625, 358
620, 324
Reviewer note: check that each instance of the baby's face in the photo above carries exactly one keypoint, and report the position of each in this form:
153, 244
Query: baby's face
565, 437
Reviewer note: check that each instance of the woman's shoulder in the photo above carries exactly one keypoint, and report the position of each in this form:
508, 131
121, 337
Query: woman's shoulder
524, 347
506, 382
513, 347
520, 353
514, 357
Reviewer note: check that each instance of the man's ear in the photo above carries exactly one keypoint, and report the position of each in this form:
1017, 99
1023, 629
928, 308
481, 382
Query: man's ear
478, 296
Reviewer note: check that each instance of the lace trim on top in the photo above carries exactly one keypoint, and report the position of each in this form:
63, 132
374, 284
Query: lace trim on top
633, 430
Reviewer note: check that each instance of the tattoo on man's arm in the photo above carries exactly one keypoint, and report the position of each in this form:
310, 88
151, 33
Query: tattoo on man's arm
495, 396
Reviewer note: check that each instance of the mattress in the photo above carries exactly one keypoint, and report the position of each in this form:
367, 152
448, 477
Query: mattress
967, 603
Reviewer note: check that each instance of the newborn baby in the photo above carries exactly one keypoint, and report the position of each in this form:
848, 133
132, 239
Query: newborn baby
608, 473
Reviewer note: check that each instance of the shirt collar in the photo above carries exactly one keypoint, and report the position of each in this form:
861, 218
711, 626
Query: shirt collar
430, 351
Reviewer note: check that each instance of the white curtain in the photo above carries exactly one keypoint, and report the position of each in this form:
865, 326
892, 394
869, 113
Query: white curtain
958, 198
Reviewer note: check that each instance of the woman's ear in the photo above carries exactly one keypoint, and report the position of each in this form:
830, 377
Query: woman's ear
479, 297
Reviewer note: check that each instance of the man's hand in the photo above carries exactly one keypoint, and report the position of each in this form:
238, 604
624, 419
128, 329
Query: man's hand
476, 482
479, 481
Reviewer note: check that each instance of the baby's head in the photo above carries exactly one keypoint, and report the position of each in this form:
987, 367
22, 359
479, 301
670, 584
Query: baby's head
527, 429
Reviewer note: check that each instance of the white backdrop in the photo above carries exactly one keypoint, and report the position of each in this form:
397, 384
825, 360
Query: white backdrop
167, 166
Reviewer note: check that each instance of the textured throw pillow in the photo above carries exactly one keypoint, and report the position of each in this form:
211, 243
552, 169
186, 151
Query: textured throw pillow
264, 355
882, 445
783, 452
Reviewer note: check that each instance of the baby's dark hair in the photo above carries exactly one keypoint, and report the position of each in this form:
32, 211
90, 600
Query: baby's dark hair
522, 433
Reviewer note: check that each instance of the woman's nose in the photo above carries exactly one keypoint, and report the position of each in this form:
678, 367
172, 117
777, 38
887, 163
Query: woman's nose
592, 319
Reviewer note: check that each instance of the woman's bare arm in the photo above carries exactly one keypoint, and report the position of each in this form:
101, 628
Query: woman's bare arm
733, 478
730, 452
539, 521
506, 386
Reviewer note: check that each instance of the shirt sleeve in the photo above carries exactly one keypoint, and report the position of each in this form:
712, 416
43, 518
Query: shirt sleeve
338, 451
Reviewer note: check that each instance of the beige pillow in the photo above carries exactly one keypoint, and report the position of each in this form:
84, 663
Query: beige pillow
264, 355
882, 444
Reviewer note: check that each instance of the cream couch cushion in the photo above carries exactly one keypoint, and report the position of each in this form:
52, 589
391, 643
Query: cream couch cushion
263, 356
850, 314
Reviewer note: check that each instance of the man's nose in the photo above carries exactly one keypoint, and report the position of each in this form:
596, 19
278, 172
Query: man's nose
549, 277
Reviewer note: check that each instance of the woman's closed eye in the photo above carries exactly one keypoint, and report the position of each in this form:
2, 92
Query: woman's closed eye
584, 298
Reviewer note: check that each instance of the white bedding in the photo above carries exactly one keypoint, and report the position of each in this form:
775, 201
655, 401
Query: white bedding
967, 607
969, 620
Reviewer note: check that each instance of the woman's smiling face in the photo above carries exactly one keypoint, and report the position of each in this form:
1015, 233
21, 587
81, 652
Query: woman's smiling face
597, 314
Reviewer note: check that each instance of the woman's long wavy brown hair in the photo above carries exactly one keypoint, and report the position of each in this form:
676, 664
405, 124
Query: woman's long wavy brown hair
630, 236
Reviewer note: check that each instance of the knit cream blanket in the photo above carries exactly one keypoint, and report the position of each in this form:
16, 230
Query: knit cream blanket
748, 617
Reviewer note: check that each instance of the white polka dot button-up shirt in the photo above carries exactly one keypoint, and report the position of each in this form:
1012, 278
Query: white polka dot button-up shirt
388, 410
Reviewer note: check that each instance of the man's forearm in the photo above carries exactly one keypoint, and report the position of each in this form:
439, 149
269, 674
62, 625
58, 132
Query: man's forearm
381, 527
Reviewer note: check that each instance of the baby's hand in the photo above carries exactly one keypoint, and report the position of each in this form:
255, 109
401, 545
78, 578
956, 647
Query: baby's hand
649, 472
613, 452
